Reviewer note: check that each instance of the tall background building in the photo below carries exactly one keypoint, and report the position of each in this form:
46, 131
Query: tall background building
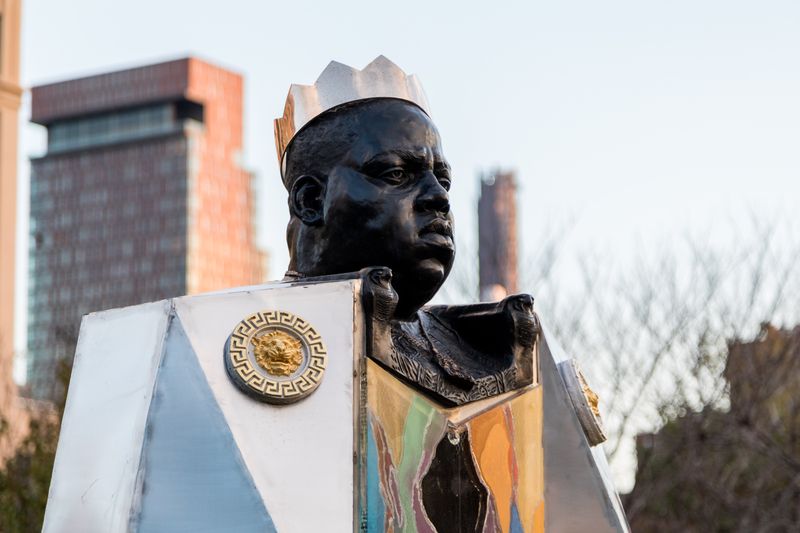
139, 197
497, 235
12, 417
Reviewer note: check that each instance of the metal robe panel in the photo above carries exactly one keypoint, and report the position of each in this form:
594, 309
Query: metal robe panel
579, 493
193, 476
473, 468
94, 475
300, 455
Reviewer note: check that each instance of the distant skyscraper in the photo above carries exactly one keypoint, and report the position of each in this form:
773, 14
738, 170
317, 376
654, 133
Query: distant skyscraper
497, 235
140, 197
12, 416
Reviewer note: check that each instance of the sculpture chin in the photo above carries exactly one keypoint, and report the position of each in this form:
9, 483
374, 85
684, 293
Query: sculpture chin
432, 271
417, 286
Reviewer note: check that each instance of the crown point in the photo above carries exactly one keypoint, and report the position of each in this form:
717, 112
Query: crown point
334, 71
382, 60
384, 64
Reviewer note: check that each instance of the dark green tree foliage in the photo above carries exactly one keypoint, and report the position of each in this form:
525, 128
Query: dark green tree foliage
25, 479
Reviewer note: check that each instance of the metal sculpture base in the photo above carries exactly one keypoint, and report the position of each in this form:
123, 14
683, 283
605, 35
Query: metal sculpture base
165, 430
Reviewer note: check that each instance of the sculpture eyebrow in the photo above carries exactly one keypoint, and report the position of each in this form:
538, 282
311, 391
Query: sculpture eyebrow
420, 158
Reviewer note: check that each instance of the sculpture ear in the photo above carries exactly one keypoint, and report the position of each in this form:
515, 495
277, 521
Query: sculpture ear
306, 199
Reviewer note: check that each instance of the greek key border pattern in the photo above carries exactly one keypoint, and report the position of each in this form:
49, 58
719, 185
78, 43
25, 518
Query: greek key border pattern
269, 389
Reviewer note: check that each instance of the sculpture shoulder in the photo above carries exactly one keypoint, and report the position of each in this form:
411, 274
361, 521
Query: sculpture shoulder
462, 353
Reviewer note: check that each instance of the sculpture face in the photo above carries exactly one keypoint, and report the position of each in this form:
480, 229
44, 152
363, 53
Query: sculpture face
383, 202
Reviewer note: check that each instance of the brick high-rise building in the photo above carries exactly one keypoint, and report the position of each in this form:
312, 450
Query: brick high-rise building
139, 197
12, 417
497, 236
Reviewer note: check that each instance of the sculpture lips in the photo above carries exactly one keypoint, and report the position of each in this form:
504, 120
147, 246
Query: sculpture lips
438, 232
438, 225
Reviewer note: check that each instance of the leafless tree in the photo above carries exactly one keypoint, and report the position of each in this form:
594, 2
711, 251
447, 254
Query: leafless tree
654, 335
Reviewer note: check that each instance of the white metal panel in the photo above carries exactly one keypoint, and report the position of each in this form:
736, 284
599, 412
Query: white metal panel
99, 449
192, 474
579, 494
299, 455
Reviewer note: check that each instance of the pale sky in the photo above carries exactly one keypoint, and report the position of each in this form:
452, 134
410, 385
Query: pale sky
640, 119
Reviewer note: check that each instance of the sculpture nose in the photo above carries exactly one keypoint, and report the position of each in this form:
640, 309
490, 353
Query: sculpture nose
432, 197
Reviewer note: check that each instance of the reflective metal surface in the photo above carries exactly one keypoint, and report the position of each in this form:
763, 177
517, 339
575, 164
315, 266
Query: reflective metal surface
299, 455
94, 484
193, 475
584, 400
155, 436
578, 490
339, 84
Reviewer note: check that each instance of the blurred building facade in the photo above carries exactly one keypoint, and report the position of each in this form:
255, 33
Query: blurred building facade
12, 417
497, 235
139, 197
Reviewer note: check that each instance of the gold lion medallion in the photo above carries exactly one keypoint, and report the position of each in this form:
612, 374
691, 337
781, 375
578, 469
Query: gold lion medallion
275, 357
278, 352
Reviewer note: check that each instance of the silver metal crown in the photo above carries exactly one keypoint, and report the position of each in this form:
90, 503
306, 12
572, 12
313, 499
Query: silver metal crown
339, 84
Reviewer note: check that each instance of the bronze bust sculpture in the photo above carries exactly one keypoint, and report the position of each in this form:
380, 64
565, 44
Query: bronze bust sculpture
368, 191
429, 419
368, 186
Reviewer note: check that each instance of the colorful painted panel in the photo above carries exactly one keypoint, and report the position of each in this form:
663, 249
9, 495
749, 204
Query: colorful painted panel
474, 468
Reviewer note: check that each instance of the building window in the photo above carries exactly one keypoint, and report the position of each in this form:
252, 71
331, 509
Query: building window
108, 128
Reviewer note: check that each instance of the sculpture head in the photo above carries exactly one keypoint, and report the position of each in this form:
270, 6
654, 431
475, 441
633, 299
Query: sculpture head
367, 180
368, 186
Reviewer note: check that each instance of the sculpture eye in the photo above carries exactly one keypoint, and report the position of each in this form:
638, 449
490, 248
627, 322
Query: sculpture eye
395, 175
443, 175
